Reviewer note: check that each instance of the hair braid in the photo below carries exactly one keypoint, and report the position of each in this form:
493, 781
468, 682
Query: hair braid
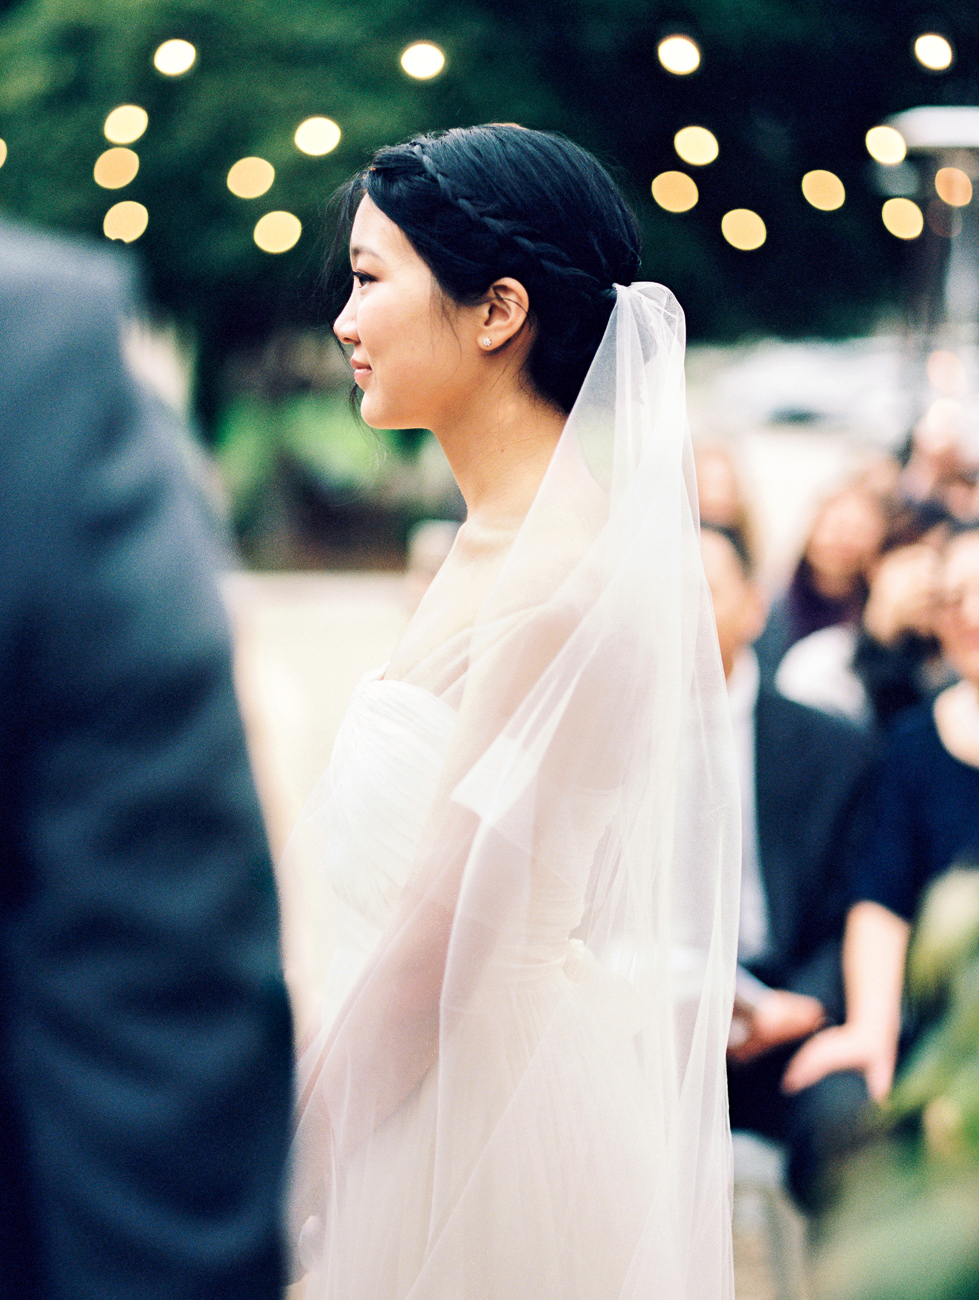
546, 254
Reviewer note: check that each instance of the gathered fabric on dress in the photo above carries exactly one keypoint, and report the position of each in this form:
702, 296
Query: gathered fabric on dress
541, 823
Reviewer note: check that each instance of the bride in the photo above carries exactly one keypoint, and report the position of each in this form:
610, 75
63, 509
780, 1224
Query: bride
514, 1087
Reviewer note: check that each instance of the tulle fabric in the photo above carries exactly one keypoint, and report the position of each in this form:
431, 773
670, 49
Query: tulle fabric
513, 1087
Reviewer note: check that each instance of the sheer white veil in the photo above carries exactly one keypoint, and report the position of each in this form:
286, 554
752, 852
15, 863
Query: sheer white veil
569, 1143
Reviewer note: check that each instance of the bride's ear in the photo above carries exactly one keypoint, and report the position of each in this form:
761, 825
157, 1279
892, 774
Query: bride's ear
502, 314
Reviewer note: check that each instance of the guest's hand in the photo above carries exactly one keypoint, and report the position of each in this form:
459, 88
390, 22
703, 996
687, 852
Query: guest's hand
843, 1047
781, 1017
903, 592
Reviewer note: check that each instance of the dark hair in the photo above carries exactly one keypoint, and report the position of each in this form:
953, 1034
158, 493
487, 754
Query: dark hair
481, 202
738, 543
960, 528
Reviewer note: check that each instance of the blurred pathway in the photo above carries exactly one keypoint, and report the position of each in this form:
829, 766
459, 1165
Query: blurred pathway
303, 642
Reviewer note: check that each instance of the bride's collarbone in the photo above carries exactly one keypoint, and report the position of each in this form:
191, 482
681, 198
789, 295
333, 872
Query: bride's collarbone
464, 580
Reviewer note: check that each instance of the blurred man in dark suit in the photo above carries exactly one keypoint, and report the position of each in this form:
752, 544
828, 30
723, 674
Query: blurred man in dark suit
803, 775
145, 1039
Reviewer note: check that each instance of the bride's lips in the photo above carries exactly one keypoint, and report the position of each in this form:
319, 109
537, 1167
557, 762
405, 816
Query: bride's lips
360, 370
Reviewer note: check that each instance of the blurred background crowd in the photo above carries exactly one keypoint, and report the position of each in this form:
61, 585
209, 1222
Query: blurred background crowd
804, 176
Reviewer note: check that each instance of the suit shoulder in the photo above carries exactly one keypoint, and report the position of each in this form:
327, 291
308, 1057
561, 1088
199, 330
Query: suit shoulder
53, 267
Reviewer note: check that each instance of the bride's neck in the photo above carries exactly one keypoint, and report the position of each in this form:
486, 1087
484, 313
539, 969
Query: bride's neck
498, 453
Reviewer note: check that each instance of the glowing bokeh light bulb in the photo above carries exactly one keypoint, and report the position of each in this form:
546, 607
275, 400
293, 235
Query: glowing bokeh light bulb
277, 232
250, 177
953, 187
125, 221
885, 145
175, 57
933, 52
317, 136
3, 152
675, 191
679, 55
743, 229
696, 145
423, 60
115, 168
126, 124
823, 190
903, 218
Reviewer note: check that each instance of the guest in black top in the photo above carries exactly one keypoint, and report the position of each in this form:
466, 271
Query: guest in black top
926, 817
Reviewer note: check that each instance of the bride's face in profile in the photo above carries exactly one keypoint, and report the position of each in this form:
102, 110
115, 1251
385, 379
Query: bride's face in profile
412, 352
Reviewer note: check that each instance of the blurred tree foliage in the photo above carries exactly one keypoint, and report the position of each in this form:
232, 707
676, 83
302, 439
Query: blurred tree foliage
786, 86
908, 1224
263, 66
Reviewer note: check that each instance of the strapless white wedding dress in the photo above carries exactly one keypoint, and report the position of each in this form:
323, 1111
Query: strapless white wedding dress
520, 1169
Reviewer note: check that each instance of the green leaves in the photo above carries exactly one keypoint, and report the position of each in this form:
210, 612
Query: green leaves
908, 1226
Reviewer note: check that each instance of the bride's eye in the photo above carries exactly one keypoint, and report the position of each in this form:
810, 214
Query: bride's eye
363, 278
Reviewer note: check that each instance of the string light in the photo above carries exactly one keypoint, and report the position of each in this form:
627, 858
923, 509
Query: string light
679, 55
885, 145
250, 177
933, 52
743, 229
126, 124
173, 58
125, 221
953, 186
823, 190
317, 136
3, 152
696, 145
903, 218
277, 232
675, 191
115, 168
423, 60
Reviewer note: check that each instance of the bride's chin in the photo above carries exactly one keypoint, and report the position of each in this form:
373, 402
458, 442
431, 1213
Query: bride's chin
379, 418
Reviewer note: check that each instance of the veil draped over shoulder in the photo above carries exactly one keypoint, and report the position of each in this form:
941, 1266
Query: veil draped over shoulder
515, 1088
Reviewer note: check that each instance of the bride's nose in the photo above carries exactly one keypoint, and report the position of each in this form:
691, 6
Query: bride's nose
345, 325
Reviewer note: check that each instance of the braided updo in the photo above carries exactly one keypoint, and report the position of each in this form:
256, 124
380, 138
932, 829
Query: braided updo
482, 202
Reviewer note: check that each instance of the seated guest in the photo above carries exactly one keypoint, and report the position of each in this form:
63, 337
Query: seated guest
925, 816
722, 497
940, 464
829, 585
802, 779
872, 670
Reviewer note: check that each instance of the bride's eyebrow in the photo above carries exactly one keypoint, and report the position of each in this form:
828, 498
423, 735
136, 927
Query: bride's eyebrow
363, 250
